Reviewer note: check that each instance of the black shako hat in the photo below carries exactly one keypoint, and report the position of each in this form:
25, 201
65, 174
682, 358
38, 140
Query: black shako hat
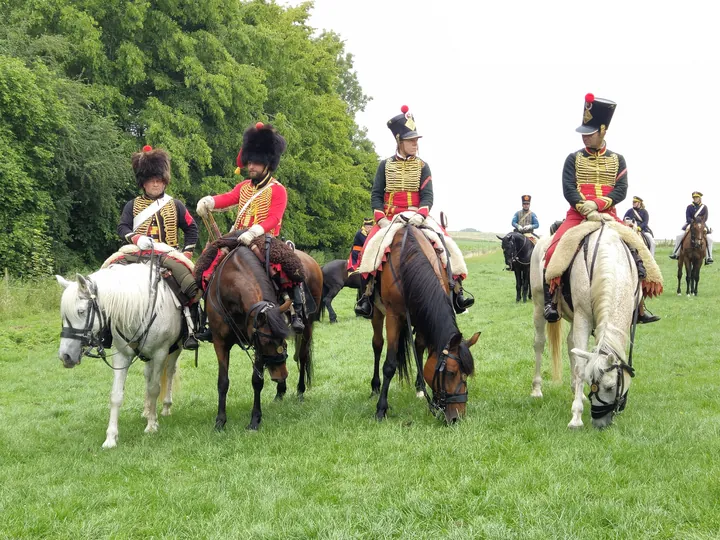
597, 112
403, 125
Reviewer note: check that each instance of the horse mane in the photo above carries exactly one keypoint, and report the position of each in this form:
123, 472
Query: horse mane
124, 294
429, 305
276, 321
605, 278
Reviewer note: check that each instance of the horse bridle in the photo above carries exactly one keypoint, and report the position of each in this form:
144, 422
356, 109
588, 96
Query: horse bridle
87, 338
618, 405
516, 256
441, 398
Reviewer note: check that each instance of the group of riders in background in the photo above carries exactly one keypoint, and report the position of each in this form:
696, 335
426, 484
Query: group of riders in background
594, 181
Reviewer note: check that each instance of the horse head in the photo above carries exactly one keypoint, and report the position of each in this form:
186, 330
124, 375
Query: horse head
509, 247
697, 233
83, 320
609, 378
269, 334
447, 374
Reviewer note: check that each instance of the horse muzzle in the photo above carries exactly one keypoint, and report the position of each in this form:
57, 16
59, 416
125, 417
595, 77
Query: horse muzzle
68, 361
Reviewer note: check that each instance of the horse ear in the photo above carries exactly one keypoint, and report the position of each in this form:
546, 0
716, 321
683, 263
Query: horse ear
62, 281
501, 238
455, 340
473, 339
82, 283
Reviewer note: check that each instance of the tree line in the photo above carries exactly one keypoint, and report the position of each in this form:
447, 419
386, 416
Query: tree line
85, 83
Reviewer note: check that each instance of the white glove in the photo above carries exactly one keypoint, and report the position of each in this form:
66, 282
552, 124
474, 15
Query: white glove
251, 234
587, 207
383, 222
417, 219
205, 205
599, 216
144, 242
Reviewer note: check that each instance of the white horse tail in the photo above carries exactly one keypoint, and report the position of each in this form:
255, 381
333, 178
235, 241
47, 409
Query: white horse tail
554, 333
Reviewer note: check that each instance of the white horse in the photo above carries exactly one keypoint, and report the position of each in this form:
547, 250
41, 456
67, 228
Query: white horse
143, 324
605, 294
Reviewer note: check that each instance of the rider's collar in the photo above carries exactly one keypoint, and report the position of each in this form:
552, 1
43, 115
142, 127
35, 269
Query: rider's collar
264, 182
145, 196
595, 152
403, 158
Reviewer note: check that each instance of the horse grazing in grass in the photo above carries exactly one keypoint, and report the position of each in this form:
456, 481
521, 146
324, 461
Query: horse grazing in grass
518, 249
605, 294
145, 320
241, 309
335, 277
413, 283
692, 256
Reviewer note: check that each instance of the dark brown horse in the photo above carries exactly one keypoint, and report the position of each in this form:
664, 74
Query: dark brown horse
241, 308
335, 277
692, 256
413, 282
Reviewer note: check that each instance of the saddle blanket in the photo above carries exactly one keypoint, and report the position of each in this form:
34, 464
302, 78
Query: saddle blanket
377, 247
571, 240
131, 249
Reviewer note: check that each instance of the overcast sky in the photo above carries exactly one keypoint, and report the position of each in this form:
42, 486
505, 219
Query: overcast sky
497, 89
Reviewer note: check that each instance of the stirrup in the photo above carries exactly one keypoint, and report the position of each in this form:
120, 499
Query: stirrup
190, 343
364, 307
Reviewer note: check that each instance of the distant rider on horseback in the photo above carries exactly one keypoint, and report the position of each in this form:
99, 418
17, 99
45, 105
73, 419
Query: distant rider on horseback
358, 243
639, 217
403, 183
594, 181
696, 210
155, 217
261, 201
524, 221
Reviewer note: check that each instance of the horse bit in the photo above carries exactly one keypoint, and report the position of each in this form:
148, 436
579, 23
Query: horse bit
598, 411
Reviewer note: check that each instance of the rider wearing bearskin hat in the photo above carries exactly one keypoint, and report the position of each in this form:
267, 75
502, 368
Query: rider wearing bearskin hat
403, 182
155, 218
261, 200
594, 181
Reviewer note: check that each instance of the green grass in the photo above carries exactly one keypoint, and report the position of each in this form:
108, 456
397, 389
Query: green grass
325, 468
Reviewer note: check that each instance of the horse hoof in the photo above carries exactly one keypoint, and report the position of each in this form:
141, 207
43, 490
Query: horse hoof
301, 398
575, 425
152, 428
252, 426
279, 397
166, 411
536, 394
333, 321
109, 443
220, 425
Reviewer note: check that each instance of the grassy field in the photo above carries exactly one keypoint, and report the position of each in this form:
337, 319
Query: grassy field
325, 468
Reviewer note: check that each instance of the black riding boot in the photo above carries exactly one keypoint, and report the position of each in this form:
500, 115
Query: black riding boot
460, 302
203, 333
550, 312
191, 319
296, 323
643, 317
642, 273
364, 306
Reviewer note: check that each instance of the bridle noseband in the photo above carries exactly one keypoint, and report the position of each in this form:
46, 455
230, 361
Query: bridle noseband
618, 405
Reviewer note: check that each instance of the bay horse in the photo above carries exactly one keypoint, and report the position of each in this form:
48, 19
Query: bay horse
414, 284
518, 249
241, 308
605, 295
145, 320
692, 256
335, 277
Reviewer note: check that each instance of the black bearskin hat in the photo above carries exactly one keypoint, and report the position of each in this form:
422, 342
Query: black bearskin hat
261, 144
151, 164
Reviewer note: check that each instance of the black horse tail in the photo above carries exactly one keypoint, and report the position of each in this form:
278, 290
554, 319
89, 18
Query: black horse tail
325, 292
405, 346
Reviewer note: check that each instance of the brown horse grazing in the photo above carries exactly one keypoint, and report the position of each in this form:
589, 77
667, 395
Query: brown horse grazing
413, 282
692, 256
240, 305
